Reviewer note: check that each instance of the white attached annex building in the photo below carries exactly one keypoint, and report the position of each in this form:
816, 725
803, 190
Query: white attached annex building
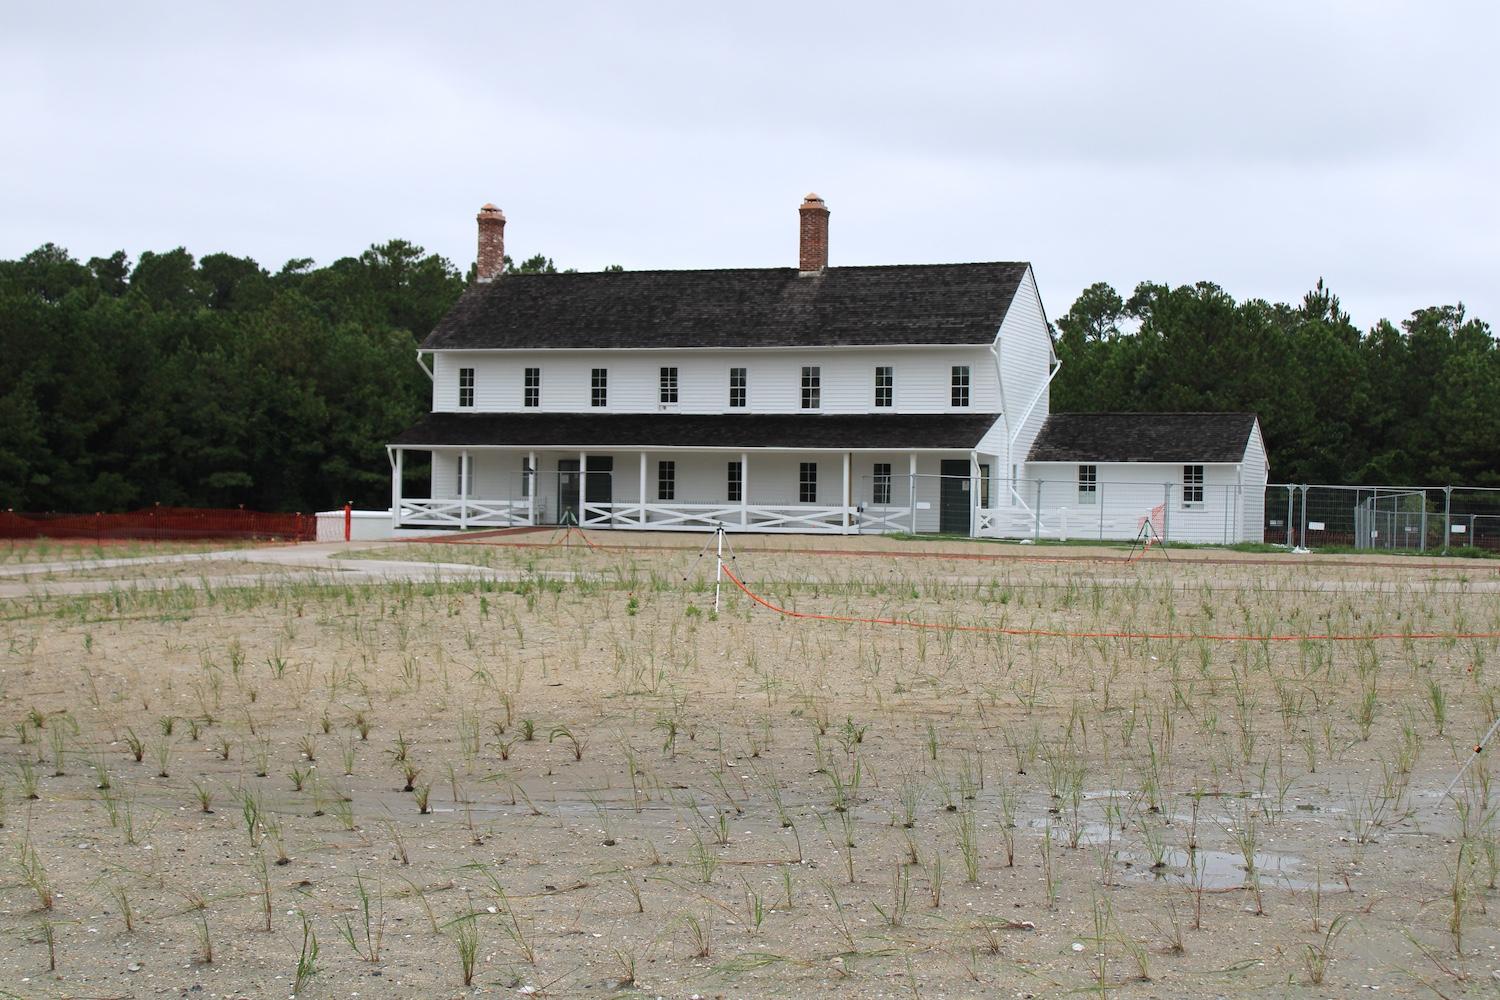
807, 399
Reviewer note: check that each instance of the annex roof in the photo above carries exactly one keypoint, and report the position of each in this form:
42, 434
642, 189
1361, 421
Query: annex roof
1189, 438
916, 304
894, 432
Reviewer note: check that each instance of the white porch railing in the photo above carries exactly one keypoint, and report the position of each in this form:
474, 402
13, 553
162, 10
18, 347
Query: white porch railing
672, 516
440, 512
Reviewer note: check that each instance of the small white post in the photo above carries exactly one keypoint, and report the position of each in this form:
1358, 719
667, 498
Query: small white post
396, 474
744, 489
973, 493
848, 521
1062, 524
463, 489
643, 489
718, 566
534, 473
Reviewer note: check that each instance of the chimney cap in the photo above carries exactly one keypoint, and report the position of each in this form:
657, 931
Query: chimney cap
489, 209
812, 199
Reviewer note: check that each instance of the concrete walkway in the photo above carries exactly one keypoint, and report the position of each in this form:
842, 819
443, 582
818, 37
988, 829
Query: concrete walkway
310, 562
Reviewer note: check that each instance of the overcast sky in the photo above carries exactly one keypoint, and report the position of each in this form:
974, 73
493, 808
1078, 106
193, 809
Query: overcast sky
1259, 147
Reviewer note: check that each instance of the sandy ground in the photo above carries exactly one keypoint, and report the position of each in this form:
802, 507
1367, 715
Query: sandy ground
744, 804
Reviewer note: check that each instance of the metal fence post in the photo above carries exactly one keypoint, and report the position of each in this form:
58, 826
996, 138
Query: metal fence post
1305, 489
1447, 517
1290, 492
1099, 499
1036, 515
1166, 511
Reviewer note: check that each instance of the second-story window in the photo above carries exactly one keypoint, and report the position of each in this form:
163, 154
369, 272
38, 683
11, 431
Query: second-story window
812, 387
885, 385
533, 389
737, 385
600, 388
960, 385
668, 392
466, 387
666, 480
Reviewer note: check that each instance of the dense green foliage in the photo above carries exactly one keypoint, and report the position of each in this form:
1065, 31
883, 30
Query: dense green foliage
215, 382
1413, 405
210, 382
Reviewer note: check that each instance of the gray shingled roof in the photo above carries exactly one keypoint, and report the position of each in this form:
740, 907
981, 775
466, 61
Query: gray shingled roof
895, 432
1189, 438
767, 307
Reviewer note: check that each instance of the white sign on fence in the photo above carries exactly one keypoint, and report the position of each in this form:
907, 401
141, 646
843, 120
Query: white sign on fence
1459, 529
1314, 525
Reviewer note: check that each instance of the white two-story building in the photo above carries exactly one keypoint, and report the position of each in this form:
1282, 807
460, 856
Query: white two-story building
807, 399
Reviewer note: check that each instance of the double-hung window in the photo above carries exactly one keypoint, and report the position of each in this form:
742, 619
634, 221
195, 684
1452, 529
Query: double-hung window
666, 480
667, 395
1192, 485
533, 388
1088, 483
600, 387
737, 386
885, 386
736, 490
466, 387
960, 385
812, 387
526, 476
880, 495
807, 483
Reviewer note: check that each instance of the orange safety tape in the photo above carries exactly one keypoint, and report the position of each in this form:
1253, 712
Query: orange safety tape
1061, 634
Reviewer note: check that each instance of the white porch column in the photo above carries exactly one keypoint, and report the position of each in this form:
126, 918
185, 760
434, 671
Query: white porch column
531, 488
744, 489
583, 483
848, 521
911, 482
463, 488
643, 489
396, 472
973, 493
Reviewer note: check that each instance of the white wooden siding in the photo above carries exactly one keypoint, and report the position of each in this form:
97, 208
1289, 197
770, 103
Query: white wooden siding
1253, 473
1025, 348
774, 380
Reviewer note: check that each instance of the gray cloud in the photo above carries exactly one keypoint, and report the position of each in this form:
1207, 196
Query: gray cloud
1258, 146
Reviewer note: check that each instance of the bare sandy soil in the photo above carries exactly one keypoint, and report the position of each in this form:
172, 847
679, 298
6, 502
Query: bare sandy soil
627, 793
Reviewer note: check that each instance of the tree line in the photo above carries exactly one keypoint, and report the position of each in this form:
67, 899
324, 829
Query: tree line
216, 382
1411, 404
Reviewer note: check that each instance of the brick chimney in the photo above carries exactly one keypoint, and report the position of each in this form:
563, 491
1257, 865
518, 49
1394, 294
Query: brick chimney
813, 257
491, 260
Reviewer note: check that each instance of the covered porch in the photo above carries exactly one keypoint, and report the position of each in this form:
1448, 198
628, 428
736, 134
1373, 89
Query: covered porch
667, 489
669, 472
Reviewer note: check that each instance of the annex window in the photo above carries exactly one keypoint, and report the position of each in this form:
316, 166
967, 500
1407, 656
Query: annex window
600, 387
466, 387
533, 388
737, 386
1192, 485
1088, 483
668, 391
984, 486
812, 387
881, 492
807, 483
960, 385
885, 385
736, 490
666, 480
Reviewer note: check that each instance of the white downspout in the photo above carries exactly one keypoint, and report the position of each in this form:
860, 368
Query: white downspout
422, 365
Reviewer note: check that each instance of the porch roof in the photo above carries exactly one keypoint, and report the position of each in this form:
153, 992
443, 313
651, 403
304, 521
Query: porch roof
857, 431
